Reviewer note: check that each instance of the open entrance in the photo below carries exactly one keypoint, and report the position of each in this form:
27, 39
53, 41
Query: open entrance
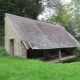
11, 46
67, 52
43, 54
55, 55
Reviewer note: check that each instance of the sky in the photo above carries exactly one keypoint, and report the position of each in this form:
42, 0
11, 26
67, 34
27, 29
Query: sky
66, 1
48, 12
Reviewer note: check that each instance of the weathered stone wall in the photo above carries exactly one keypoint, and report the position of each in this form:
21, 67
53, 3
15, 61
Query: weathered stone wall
11, 33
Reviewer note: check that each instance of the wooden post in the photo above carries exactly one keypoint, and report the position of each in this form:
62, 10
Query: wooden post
60, 54
74, 51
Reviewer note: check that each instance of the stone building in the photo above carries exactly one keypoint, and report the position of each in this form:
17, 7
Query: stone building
33, 39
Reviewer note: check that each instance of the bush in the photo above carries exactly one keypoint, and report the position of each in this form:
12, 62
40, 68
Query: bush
1, 35
3, 51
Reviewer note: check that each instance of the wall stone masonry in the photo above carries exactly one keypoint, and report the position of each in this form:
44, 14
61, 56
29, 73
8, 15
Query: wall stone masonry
16, 47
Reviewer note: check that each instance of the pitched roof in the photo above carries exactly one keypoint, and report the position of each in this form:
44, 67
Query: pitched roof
39, 35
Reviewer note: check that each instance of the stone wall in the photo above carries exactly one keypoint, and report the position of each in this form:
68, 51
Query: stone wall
11, 34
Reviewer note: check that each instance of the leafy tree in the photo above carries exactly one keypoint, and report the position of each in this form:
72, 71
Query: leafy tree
26, 8
63, 16
75, 11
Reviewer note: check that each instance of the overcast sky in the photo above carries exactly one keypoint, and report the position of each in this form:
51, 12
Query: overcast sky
66, 1
48, 11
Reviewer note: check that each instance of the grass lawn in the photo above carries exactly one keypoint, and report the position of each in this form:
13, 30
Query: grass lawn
15, 68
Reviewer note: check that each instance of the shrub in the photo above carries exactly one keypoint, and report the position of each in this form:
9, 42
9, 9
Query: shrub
3, 51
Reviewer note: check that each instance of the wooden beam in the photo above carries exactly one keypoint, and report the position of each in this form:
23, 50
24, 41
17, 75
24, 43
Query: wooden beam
63, 59
74, 51
60, 54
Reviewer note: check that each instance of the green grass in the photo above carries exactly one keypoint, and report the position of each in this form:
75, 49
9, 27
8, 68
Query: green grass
15, 68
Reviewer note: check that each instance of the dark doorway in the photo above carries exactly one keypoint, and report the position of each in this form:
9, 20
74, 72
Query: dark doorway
11, 46
43, 54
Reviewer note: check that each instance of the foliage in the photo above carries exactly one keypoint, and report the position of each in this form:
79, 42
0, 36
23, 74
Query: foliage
3, 51
67, 15
26, 8
75, 9
14, 68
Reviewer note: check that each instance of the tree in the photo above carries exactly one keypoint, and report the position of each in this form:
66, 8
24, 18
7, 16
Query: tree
63, 16
75, 10
26, 8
